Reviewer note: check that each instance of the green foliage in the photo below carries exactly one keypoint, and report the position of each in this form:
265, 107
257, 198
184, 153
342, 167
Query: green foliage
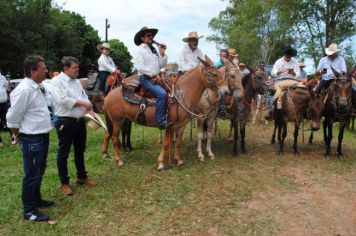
121, 56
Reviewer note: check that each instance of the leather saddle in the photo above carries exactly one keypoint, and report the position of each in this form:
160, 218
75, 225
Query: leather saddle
135, 94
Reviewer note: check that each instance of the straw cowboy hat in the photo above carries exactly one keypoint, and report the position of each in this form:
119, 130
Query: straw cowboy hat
301, 64
104, 45
96, 122
192, 35
242, 65
232, 52
142, 32
332, 49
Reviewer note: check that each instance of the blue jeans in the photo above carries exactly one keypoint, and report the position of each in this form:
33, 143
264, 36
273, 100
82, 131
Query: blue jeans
71, 131
160, 94
34, 149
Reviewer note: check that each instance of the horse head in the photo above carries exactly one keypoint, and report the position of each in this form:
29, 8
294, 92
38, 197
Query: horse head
233, 76
261, 82
315, 109
341, 90
212, 77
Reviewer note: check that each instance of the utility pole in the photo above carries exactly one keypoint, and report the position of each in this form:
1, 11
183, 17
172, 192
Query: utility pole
107, 26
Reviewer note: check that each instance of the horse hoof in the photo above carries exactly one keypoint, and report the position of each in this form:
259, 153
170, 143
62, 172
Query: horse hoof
106, 157
327, 157
296, 154
244, 151
280, 153
341, 157
160, 167
180, 163
130, 149
212, 157
235, 155
273, 142
119, 163
201, 157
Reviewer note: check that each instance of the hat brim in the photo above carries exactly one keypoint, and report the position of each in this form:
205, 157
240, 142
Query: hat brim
186, 39
331, 52
100, 47
141, 33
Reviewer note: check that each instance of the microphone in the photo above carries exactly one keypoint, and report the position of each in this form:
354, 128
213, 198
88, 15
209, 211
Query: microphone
159, 44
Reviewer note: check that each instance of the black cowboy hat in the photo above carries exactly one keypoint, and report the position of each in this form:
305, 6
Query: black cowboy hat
142, 32
290, 51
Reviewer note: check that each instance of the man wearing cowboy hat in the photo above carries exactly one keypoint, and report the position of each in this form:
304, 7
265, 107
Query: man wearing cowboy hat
148, 63
331, 60
303, 74
232, 56
188, 58
106, 66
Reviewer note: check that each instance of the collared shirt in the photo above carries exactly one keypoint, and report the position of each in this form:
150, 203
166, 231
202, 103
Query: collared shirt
188, 59
303, 75
148, 63
65, 92
106, 64
282, 64
28, 111
326, 63
4, 86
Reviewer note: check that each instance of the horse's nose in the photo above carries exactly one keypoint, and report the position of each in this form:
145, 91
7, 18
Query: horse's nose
343, 102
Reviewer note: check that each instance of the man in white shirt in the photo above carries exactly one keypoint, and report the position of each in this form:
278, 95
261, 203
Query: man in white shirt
106, 66
331, 60
70, 104
148, 63
188, 58
286, 67
29, 119
303, 74
4, 105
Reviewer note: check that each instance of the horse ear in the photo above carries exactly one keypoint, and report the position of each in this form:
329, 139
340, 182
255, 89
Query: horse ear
250, 69
205, 63
337, 74
211, 63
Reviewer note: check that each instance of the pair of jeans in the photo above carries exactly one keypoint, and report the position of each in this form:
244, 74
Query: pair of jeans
34, 149
103, 77
71, 131
323, 84
160, 94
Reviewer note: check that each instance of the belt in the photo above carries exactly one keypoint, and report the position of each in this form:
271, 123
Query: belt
33, 135
73, 119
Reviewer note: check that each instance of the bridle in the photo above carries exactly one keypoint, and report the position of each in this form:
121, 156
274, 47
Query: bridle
206, 76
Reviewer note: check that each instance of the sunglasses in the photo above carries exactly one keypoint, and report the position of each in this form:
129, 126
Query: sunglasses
149, 35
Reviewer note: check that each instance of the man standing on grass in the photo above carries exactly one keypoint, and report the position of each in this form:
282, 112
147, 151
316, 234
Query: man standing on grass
70, 105
29, 119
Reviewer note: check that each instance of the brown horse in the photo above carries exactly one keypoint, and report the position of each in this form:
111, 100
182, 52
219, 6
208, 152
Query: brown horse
254, 83
189, 89
338, 108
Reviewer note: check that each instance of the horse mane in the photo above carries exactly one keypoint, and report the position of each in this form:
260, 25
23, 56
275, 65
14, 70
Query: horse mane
245, 79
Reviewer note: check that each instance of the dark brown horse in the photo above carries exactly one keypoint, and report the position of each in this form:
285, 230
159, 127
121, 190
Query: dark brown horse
254, 83
338, 108
189, 89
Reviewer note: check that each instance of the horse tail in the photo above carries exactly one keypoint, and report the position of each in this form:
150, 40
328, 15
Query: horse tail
109, 124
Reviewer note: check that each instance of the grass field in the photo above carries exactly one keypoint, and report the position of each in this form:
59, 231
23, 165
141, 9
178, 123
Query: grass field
256, 194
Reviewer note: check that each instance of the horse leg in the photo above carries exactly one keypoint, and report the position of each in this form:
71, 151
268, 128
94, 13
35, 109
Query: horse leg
329, 138
236, 135
200, 135
273, 140
210, 129
242, 134
325, 131
230, 138
283, 137
295, 144
104, 149
116, 142
311, 137
167, 138
179, 134
339, 144
128, 135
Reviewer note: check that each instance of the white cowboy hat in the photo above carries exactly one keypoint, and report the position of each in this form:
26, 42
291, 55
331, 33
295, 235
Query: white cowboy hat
96, 122
104, 45
192, 35
332, 49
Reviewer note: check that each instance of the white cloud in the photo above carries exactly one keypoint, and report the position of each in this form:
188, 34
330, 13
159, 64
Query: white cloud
174, 19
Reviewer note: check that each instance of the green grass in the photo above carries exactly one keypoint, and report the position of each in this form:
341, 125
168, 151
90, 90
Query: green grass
137, 200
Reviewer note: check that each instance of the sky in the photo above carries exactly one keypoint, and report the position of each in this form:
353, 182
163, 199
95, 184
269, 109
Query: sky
174, 20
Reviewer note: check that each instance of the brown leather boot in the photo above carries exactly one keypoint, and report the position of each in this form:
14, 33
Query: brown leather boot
67, 189
86, 182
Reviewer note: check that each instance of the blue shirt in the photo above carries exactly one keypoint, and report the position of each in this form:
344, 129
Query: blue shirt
326, 63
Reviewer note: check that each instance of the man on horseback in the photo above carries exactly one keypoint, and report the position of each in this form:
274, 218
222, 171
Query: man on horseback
106, 66
188, 58
324, 67
148, 63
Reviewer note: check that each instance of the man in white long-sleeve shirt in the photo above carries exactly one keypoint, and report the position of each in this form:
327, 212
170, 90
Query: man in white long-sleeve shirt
106, 66
70, 104
29, 119
148, 63
286, 67
188, 58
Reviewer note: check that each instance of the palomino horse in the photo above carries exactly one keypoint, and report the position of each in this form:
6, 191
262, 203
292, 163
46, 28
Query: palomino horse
338, 108
208, 106
294, 101
189, 89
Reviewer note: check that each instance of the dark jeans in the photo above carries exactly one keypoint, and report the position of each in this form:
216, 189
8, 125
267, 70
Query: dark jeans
323, 84
103, 77
71, 131
160, 94
34, 149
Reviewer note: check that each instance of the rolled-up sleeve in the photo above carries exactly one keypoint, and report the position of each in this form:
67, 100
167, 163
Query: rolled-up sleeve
19, 103
58, 95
